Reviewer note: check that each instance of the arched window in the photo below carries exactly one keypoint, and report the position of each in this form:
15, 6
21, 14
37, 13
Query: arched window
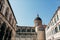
18, 30
1, 4
55, 20
0, 23
6, 13
7, 33
12, 22
10, 35
3, 27
56, 30
23, 30
2, 11
33, 30
10, 17
59, 27
28, 30
37, 24
57, 17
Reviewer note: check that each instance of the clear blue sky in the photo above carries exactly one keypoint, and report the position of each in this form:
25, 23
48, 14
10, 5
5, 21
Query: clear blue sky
26, 10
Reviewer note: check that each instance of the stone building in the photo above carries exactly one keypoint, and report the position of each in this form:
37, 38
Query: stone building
7, 21
36, 32
53, 28
26, 33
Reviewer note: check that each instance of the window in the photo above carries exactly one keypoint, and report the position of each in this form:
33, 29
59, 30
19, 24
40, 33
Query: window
42, 29
56, 30
52, 22
33, 30
37, 24
3, 28
2, 10
10, 17
7, 33
12, 22
1, 4
10, 35
23, 30
59, 27
53, 31
28, 30
2, 1
47, 27
6, 13
57, 18
18, 30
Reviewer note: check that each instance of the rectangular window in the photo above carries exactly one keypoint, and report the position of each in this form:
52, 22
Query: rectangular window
56, 30
18, 30
59, 27
47, 27
57, 18
23, 30
33, 30
0, 6
28, 30
53, 21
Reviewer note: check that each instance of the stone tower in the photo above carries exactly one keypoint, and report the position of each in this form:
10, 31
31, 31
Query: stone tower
39, 28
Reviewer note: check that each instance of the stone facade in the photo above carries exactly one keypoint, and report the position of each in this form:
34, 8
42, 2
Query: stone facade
40, 28
26, 33
7, 21
53, 28
36, 32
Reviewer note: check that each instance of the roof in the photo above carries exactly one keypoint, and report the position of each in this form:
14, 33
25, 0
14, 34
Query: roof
11, 10
38, 18
26, 26
54, 14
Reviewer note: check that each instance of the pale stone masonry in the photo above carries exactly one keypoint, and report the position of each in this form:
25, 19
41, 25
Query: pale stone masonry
26, 33
36, 32
53, 28
7, 21
9, 31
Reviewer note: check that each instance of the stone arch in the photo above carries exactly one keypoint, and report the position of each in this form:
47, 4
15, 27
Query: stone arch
10, 35
7, 33
2, 32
